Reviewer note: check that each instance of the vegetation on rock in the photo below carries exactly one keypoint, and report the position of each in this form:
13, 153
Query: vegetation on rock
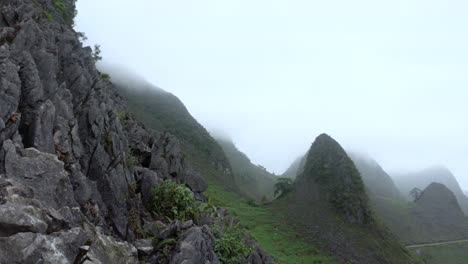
283, 186
172, 201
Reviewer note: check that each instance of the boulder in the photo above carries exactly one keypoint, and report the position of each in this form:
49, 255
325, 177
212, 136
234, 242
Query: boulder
195, 246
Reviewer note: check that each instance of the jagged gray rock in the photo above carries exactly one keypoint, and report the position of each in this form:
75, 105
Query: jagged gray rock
195, 247
75, 169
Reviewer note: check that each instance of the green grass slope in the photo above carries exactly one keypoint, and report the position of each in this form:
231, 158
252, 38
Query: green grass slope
444, 254
253, 181
270, 227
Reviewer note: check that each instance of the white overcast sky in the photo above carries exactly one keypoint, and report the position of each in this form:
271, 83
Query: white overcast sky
386, 78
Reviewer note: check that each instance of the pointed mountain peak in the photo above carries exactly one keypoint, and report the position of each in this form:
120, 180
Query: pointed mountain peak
439, 200
329, 167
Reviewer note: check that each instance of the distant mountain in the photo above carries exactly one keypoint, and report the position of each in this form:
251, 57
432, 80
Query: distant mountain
377, 181
437, 209
253, 181
439, 202
295, 168
422, 179
330, 206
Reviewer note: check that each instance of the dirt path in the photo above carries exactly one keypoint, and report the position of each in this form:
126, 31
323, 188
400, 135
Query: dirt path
437, 244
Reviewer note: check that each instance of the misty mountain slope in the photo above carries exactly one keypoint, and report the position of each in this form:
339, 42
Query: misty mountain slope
434, 217
77, 171
376, 180
254, 182
423, 178
402, 217
330, 207
294, 169
163, 111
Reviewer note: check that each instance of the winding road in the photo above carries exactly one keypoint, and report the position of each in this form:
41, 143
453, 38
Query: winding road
437, 244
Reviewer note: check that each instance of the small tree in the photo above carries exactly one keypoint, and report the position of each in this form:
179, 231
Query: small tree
415, 193
97, 53
283, 186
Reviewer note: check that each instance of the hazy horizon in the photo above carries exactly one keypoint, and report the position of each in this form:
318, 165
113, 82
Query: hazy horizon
388, 80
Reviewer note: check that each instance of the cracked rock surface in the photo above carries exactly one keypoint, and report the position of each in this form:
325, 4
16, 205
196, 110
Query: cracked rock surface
66, 183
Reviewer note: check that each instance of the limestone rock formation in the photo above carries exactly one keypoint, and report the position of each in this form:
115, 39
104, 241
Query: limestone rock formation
75, 169
329, 168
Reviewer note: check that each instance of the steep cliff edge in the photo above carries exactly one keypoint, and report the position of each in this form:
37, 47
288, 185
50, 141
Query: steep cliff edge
75, 169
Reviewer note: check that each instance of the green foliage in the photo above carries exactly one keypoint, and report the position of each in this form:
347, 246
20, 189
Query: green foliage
44, 11
456, 253
68, 12
81, 36
135, 223
230, 244
123, 117
108, 141
415, 193
283, 186
132, 160
173, 201
97, 53
105, 76
252, 203
160, 243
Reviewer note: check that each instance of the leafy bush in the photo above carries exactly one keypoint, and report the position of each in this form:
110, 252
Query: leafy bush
283, 186
96, 54
230, 244
105, 77
131, 160
173, 201
252, 203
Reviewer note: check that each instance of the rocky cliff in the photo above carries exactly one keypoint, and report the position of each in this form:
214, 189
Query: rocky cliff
75, 169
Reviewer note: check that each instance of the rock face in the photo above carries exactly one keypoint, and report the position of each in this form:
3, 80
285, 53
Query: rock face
75, 169
329, 168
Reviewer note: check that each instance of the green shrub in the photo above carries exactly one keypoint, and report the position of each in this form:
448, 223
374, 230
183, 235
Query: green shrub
230, 244
252, 203
44, 12
132, 160
123, 117
68, 12
283, 186
173, 201
105, 77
